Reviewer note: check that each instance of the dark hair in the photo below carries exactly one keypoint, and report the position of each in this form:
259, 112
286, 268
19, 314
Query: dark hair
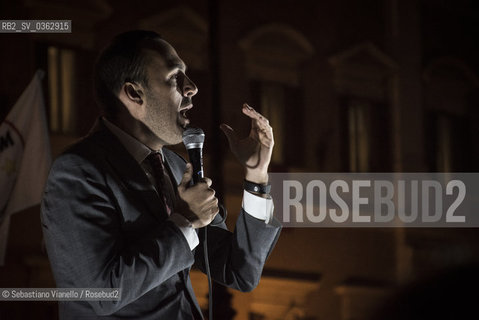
124, 59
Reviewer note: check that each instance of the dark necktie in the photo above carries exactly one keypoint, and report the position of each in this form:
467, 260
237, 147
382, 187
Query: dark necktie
163, 185
163, 182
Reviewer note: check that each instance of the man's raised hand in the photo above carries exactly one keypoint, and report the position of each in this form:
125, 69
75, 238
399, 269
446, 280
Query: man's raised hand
254, 151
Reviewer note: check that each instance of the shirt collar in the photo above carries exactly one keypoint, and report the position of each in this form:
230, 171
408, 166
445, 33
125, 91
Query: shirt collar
137, 149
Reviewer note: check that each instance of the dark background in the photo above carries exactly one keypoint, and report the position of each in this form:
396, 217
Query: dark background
349, 86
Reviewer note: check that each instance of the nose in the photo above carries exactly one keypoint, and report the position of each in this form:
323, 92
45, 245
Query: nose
189, 87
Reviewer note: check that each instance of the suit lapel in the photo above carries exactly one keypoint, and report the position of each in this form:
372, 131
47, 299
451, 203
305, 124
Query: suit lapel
133, 180
127, 172
176, 165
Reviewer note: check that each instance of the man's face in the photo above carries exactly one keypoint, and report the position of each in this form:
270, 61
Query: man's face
168, 95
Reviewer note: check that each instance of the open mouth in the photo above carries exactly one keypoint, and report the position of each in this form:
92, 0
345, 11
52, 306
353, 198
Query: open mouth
183, 117
183, 113
185, 109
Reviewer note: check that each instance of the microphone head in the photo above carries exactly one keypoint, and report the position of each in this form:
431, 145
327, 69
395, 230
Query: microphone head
193, 138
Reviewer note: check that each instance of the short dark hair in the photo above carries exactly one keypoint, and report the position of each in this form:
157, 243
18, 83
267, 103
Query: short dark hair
124, 59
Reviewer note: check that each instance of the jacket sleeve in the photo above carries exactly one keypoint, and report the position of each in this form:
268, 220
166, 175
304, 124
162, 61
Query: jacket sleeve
86, 246
237, 258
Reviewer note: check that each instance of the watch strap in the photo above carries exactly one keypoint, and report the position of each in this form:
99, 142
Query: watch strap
256, 187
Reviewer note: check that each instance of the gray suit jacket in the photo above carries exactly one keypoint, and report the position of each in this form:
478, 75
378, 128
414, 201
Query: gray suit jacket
105, 227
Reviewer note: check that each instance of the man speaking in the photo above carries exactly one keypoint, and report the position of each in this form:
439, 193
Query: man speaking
119, 210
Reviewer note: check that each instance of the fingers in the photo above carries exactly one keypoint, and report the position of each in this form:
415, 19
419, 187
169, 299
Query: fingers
261, 125
212, 207
207, 181
207, 201
203, 205
200, 193
258, 119
185, 180
266, 138
253, 114
197, 203
258, 122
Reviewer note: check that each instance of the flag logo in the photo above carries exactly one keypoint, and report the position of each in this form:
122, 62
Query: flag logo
24, 156
11, 149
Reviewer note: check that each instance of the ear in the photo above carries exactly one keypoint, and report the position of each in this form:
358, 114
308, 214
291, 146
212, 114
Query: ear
132, 97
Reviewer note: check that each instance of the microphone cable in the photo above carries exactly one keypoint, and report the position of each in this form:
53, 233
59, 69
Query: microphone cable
206, 258
193, 139
208, 273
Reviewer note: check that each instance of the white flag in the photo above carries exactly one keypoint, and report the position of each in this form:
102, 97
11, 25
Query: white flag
25, 156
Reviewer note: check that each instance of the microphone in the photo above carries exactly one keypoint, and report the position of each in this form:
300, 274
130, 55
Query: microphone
193, 139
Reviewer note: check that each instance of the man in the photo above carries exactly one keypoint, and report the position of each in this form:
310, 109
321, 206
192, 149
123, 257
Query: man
118, 209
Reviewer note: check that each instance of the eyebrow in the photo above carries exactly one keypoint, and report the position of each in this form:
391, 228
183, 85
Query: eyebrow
177, 65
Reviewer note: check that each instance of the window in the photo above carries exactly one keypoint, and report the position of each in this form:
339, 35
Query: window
61, 90
450, 115
272, 107
448, 142
359, 136
366, 136
275, 56
282, 105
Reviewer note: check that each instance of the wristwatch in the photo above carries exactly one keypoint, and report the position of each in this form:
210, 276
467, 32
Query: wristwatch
256, 188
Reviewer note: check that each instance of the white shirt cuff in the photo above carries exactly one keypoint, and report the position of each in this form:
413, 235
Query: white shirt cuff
185, 227
258, 207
